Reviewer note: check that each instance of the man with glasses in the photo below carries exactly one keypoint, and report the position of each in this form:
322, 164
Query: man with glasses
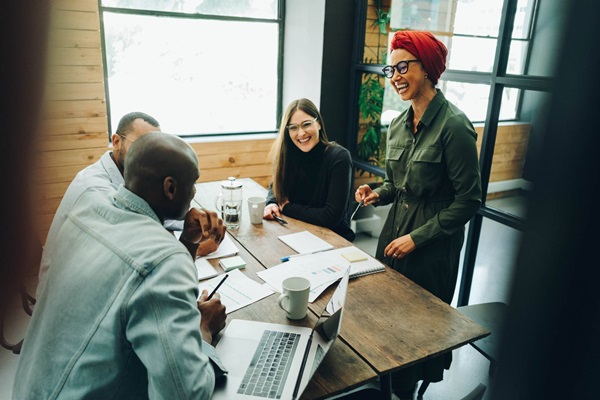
106, 175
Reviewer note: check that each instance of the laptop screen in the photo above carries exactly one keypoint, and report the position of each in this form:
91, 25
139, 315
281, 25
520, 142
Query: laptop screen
327, 327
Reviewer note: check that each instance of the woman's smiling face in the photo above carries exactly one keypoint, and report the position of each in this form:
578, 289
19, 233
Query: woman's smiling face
303, 130
410, 84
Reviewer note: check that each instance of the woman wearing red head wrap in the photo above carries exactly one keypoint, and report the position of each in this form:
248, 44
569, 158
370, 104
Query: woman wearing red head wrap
432, 179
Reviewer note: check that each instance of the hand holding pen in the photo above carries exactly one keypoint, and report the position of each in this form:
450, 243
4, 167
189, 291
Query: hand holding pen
213, 313
216, 287
365, 195
272, 212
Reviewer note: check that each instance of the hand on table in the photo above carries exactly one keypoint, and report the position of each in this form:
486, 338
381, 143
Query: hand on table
213, 315
271, 209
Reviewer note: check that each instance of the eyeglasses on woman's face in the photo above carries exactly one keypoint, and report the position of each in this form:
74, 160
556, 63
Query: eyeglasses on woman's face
304, 126
401, 67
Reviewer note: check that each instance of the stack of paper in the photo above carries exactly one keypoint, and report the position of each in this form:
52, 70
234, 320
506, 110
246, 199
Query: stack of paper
226, 248
205, 270
322, 269
230, 263
305, 242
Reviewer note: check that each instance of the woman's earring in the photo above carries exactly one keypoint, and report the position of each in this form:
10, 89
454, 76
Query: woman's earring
426, 76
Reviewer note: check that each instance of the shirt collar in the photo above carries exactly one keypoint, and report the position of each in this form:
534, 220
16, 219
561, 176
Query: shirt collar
127, 200
433, 108
111, 168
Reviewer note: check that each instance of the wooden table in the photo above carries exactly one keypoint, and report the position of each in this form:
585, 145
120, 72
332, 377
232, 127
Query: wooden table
389, 322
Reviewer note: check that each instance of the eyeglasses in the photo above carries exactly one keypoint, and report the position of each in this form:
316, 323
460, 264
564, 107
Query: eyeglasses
304, 126
401, 67
126, 138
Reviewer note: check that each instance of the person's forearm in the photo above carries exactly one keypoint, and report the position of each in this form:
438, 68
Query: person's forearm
191, 247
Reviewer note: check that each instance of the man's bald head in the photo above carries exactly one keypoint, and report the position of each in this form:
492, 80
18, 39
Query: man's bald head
162, 169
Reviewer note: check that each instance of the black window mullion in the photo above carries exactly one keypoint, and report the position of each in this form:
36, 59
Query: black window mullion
487, 146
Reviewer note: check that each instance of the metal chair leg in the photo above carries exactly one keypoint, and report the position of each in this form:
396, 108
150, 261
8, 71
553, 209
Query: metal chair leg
423, 388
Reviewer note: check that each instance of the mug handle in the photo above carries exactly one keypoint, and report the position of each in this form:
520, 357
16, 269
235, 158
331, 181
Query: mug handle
280, 301
218, 203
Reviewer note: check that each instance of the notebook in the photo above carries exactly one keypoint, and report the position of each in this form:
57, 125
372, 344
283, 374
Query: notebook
360, 262
245, 350
204, 269
305, 242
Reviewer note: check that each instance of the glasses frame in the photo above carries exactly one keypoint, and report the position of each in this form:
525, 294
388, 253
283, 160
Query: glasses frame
312, 121
126, 138
406, 63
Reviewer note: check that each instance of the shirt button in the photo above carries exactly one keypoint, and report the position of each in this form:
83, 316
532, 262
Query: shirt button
414, 140
404, 188
405, 206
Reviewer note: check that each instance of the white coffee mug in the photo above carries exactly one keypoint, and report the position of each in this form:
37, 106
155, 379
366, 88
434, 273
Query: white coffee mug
256, 208
294, 299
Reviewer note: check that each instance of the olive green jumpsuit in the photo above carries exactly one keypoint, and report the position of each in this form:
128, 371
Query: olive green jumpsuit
434, 185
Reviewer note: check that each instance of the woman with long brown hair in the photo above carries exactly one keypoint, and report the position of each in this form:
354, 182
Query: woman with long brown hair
311, 175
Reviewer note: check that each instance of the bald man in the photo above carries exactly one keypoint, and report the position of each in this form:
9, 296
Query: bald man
106, 175
119, 318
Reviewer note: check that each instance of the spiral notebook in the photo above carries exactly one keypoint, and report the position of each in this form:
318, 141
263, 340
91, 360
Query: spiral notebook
360, 262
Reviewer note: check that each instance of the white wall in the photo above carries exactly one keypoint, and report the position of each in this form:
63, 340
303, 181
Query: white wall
303, 50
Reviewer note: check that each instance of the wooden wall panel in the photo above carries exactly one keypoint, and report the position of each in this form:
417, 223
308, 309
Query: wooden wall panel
75, 5
75, 56
62, 126
76, 74
74, 38
75, 91
73, 133
71, 142
75, 109
78, 20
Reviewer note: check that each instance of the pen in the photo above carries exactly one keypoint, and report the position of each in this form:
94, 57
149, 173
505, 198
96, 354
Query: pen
215, 289
279, 219
287, 258
357, 207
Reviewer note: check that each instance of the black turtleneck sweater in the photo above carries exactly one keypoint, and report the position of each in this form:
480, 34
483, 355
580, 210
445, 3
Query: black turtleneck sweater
319, 187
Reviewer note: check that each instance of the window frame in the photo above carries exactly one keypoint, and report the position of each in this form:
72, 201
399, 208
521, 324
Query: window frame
279, 20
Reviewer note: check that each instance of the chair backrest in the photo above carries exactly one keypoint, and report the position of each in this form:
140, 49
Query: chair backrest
477, 393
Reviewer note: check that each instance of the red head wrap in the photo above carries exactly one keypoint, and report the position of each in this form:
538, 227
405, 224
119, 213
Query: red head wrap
424, 46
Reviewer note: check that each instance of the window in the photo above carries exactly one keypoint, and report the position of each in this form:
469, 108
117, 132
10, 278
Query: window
200, 67
470, 31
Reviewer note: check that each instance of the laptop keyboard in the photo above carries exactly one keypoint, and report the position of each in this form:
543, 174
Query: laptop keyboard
270, 365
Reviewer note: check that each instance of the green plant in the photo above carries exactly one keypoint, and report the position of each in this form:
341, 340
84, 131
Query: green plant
370, 103
383, 19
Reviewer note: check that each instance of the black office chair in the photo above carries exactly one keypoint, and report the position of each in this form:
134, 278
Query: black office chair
27, 301
491, 316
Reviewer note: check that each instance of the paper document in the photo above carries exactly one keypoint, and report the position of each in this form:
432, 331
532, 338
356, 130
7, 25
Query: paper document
204, 269
226, 248
305, 242
237, 291
320, 269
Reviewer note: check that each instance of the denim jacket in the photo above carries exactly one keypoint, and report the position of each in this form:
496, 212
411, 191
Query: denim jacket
118, 319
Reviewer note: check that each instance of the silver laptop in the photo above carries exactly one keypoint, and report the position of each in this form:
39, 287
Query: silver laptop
276, 361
